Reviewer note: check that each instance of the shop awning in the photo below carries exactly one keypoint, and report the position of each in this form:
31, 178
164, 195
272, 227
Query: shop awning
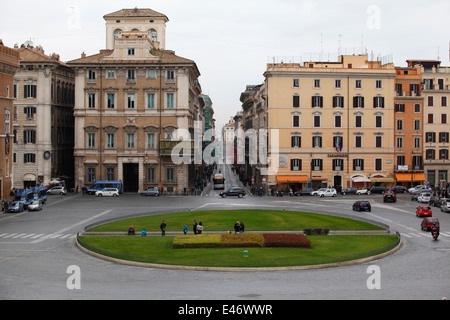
409, 177
360, 179
382, 179
292, 179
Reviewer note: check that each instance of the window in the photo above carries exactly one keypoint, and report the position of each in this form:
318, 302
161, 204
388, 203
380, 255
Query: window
316, 165
151, 73
444, 101
417, 108
110, 176
131, 75
358, 121
429, 84
430, 154
296, 121
296, 83
91, 100
358, 164
91, 140
131, 51
400, 160
91, 175
379, 84
170, 175
443, 137
358, 84
337, 84
378, 164
170, 100
29, 136
337, 142
29, 158
399, 107
110, 140
296, 164
151, 101
430, 118
358, 141
417, 143
443, 118
338, 164
399, 142
170, 76
130, 141
317, 102
296, 101
378, 141
430, 101
151, 141
29, 91
417, 125
154, 35
378, 121
7, 121
317, 142
358, 102
131, 100
110, 99
430, 137
91, 76
317, 121
30, 112
110, 74
443, 154
378, 102
296, 142
151, 175
338, 102
317, 83
399, 124
337, 121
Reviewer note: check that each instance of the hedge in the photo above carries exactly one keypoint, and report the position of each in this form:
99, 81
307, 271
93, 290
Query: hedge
266, 240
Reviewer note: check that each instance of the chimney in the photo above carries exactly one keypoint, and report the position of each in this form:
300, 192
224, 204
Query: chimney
83, 55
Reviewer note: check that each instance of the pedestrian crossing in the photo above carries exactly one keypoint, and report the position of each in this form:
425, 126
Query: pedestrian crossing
34, 236
422, 234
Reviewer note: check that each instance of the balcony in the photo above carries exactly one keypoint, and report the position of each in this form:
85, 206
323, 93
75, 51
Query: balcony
166, 147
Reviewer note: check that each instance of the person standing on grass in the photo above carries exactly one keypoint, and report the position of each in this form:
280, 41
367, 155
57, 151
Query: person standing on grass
237, 227
199, 228
241, 227
195, 226
185, 228
163, 228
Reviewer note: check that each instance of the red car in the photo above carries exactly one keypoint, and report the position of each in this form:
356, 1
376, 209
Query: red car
428, 222
423, 211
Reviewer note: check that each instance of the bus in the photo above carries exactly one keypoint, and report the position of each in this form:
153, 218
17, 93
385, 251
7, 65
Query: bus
100, 185
219, 182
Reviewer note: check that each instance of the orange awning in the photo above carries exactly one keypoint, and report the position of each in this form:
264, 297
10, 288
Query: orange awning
409, 177
292, 179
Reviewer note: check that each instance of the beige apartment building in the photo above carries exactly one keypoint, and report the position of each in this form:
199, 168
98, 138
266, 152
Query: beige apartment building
134, 102
436, 127
335, 122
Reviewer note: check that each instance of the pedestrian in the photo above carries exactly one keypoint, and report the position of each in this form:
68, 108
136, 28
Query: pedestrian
143, 233
163, 228
131, 231
237, 227
200, 228
195, 226
185, 228
241, 227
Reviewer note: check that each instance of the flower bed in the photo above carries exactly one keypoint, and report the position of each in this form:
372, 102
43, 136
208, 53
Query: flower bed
242, 240
288, 240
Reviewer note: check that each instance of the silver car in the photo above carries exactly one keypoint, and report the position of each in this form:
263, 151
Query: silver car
445, 207
57, 190
36, 205
150, 192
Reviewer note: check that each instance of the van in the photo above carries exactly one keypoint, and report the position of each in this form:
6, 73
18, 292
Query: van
100, 185
424, 197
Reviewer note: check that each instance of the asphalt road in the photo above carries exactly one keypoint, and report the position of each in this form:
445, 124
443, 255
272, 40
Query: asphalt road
36, 250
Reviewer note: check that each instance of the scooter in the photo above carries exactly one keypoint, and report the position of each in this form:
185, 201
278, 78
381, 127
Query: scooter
435, 233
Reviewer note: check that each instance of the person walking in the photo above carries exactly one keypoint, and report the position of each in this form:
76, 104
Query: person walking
163, 228
195, 226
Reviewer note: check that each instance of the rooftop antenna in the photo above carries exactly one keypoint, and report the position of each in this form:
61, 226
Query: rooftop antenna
439, 55
339, 42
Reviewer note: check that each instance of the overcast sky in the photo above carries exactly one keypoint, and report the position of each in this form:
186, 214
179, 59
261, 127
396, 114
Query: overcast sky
231, 41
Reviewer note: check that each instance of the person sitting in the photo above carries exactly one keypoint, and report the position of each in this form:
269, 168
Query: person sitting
143, 233
131, 231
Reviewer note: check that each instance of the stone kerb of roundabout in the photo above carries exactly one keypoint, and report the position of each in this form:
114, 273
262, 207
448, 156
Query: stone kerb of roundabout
352, 259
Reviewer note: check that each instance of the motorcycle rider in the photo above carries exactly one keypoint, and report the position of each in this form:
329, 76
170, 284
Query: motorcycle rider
434, 229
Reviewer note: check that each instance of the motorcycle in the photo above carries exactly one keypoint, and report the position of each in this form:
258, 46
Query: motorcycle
435, 233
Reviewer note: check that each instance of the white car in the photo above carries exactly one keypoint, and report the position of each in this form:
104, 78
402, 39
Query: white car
108, 192
329, 192
445, 207
364, 190
315, 193
424, 197
36, 205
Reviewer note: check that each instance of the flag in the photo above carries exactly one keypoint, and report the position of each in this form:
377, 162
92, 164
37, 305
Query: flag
340, 144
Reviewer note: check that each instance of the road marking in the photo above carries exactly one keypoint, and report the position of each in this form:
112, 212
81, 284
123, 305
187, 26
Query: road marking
11, 235
20, 235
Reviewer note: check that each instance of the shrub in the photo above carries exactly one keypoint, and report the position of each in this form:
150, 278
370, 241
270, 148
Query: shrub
286, 240
316, 232
197, 241
242, 240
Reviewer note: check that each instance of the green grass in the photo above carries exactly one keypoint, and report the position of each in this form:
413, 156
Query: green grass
326, 249
254, 220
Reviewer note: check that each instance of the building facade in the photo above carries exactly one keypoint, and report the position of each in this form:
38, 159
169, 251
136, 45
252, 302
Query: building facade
436, 127
44, 90
9, 64
335, 122
134, 102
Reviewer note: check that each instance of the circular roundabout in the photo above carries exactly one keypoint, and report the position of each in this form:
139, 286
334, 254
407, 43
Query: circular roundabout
270, 240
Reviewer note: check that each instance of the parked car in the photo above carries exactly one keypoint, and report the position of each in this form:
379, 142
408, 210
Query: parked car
150, 192
389, 196
362, 206
304, 192
235, 191
36, 205
108, 192
445, 207
424, 197
328, 192
414, 195
428, 222
57, 190
419, 188
378, 190
423, 211
315, 192
400, 189
363, 190
15, 207
351, 190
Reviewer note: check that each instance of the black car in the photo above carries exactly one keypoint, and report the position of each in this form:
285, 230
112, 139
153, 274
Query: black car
378, 190
235, 191
400, 189
389, 196
362, 206
349, 191
304, 192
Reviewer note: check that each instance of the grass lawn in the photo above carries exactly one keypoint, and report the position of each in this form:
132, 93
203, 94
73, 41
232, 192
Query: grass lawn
223, 220
326, 249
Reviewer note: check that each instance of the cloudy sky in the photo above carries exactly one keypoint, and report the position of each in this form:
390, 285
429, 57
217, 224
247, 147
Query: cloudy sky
231, 41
